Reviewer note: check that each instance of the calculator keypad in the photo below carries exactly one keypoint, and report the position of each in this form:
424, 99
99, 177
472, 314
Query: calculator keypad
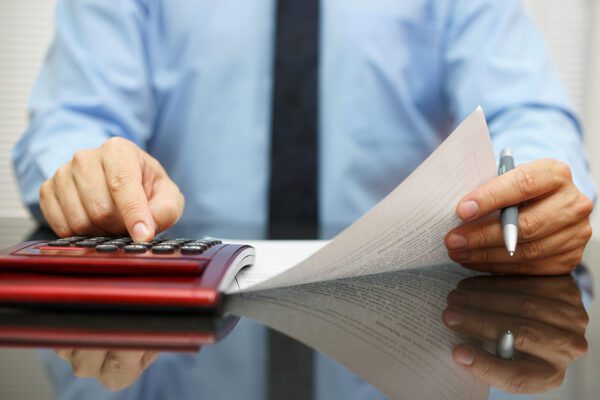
104, 244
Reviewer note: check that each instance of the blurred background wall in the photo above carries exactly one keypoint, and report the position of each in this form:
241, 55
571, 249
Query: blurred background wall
25, 32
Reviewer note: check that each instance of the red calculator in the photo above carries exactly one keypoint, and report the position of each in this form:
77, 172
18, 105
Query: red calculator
113, 273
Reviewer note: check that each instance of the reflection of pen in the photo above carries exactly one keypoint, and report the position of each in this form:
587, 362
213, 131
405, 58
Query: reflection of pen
506, 346
510, 215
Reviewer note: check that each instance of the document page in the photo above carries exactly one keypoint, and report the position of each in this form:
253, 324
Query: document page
406, 229
387, 328
272, 258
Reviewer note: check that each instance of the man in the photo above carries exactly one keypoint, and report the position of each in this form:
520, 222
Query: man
141, 101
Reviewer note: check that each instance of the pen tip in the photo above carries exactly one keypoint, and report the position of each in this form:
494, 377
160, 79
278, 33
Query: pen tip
506, 152
512, 253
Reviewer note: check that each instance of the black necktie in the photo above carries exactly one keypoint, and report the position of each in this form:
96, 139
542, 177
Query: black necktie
293, 190
293, 184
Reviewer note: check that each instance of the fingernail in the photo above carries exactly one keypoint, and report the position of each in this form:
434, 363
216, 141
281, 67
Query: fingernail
456, 298
468, 209
140, 232
453, 317
464, 355
460, 256
456, 241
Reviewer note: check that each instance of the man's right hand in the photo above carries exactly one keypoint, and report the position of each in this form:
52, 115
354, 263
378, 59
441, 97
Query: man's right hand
113, 189
545, 314
114, 369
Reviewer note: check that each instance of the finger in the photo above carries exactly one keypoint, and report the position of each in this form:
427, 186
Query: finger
533, 224
560, 288
52, 211
166, 204
531, 337
121, 369
148, 358
123, 172
547, 311
90, 183
65, 354
70, 203
514, 376
555, 265
523, 183
87, 363
563, 241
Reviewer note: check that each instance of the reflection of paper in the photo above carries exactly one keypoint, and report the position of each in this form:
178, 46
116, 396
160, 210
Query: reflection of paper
406, 229
387, 328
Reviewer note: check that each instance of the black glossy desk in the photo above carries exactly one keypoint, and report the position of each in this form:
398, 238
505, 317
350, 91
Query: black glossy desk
216, 359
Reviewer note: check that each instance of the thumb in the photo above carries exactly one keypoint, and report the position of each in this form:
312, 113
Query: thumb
123, 171
166, 204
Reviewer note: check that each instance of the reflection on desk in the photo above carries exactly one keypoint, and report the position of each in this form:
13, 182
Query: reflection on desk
546, 316
30, 328
236, 367
387, 328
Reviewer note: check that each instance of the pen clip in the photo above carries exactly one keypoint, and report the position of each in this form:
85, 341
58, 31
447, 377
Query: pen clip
502, 169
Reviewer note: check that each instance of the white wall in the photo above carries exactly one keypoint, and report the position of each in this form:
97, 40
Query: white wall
565, 24
573, 35
25, 31
592, 110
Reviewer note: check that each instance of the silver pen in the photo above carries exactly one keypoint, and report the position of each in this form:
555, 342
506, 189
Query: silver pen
506, 346
509, 215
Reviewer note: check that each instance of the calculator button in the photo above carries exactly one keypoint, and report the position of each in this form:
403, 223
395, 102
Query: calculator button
117, 242
59, 243
86, 243
100, 239
147, 245
106, 248
173, 243
74, 239
200, 243
192, 250
135, 248
203, 245
163, 249
184, 240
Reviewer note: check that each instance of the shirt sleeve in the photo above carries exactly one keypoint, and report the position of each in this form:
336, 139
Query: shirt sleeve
93, 85
496, 57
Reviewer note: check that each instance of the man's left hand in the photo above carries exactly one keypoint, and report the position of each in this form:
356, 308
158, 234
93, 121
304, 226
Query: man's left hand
554, 223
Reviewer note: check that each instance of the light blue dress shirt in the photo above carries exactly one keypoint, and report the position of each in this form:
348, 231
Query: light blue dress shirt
190, 82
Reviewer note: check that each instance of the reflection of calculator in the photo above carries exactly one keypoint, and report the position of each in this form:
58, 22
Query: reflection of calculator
139, 331
109, 273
